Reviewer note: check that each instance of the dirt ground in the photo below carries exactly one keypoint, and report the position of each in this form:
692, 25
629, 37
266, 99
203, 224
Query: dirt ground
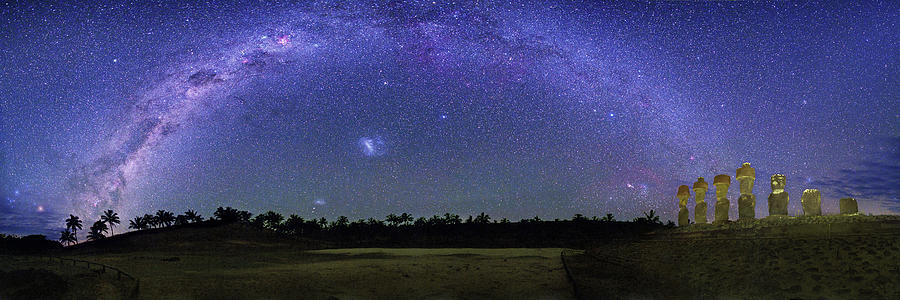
37, 277
370, 273
863, 263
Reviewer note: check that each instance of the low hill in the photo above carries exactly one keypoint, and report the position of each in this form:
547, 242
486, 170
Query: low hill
204, 236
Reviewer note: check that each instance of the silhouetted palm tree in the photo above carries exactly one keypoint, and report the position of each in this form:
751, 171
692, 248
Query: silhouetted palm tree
165, 217
272, 220
374, 222
138, 223
181, 220
94, 235
405, 218
452, 219
74, 223
151, 220
193, 216
111, 218
482, 218
608, 218
392, 220
650, 217
341, 222
294, 225
67, 237
98, 231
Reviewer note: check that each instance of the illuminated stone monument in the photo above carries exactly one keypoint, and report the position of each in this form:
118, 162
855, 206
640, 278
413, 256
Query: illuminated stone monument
684, 192
778, 199
747, 201
849, 206
700, 188
811, 200
722, 182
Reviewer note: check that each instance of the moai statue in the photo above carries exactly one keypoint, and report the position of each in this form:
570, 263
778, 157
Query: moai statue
811, 202
700, 188
722, 182
849, 206
778, 199
747, 201
684, 192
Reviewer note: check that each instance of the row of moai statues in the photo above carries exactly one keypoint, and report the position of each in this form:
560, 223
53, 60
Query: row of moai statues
811, 200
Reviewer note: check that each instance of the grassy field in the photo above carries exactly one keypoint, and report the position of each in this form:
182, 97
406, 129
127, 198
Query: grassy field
855, 258
808, 259
36, 277
347, 274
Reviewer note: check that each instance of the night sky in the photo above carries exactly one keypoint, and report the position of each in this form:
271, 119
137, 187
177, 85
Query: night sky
368, 108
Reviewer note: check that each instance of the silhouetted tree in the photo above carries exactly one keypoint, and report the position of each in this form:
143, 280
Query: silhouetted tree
405, 218
579, 218
67, 237
151, 220
258, 221
452, 219
74, 223
392, 219
374, 222
435, 220
608, 218
504, 221
165, 218
294, 225
138, 223
272, 220
649, 218
227, 214
482, 218
110, 218
340, 223
181, 220
98, 231
193, 216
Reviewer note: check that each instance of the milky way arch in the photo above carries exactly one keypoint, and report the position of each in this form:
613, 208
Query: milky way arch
455, 42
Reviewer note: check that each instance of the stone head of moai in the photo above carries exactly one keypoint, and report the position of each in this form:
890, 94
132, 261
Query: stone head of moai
746, 175
684, 192
700, 188
779, 181
722, 182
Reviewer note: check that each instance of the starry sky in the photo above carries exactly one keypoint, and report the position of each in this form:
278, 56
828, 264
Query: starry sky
363, 109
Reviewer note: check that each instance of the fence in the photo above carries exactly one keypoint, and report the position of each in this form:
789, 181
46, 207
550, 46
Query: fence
100, 269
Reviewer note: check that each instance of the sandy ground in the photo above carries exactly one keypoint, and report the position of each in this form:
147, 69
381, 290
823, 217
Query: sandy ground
371, 273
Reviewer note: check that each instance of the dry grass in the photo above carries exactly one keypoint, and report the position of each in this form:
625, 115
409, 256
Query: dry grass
804, 262
273, 273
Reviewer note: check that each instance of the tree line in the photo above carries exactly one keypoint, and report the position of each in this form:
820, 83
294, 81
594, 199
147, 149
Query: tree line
299, 226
